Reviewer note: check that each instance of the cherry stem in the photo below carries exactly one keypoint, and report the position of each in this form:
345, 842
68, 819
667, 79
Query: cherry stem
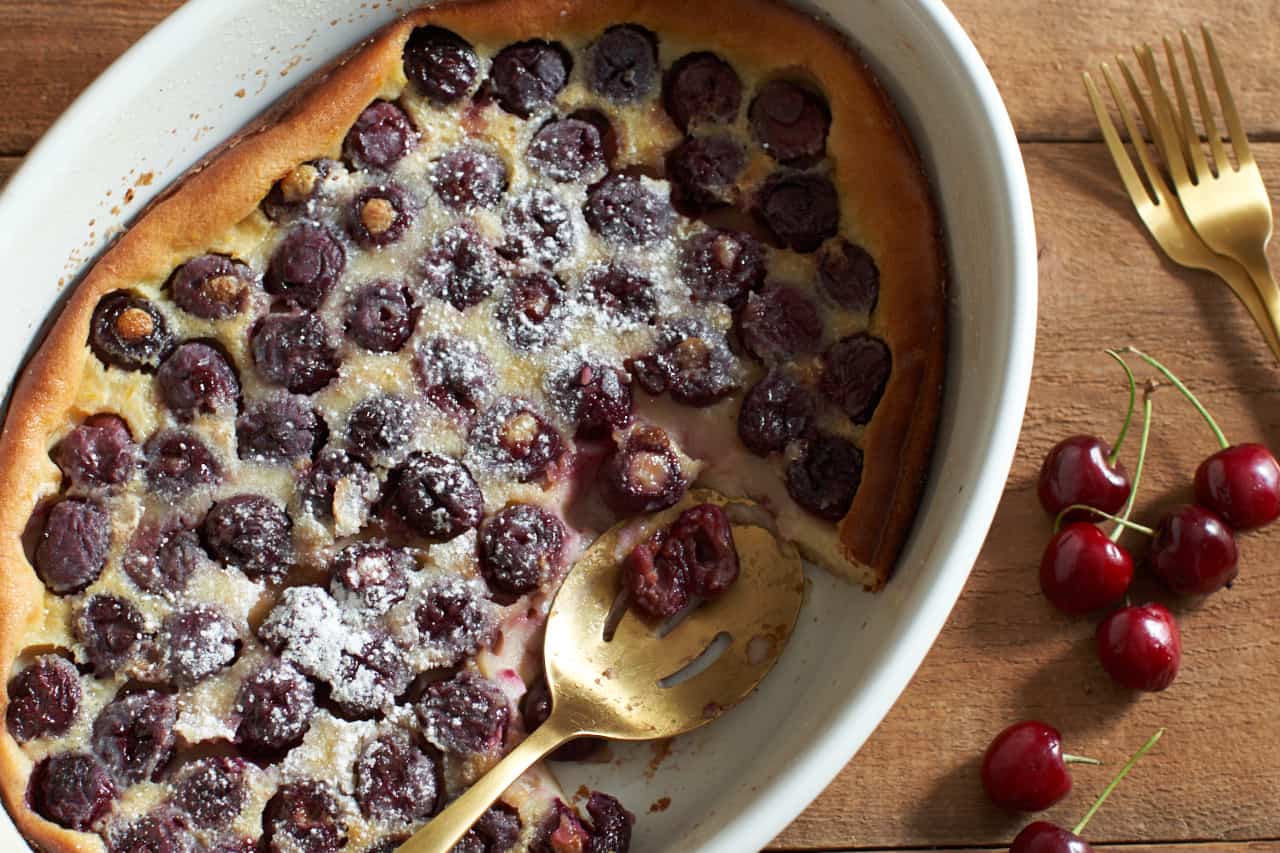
1128, 416
1123, 521
1124, 771
1079, 759
1186, 392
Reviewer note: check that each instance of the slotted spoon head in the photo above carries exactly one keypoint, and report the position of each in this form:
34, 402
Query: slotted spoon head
613, 688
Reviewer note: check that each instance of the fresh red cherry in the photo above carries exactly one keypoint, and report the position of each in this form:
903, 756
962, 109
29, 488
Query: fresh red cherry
1045, 837
1024, 769
1080, 470
1194, 552
1241, 483
1083, 570
1140, 647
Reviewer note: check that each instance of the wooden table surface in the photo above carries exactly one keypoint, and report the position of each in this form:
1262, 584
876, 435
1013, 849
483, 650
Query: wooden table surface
1213, 784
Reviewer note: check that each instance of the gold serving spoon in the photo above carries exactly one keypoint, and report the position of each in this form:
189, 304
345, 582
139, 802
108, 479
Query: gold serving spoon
631, 685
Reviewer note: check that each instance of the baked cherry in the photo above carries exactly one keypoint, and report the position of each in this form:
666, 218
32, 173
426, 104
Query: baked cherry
539, 228
781, 323
98, 452
1024, 768
1083, 570
469, 177
824, 476
535, 708
622, 209
528, 75
178, 462
133, 735
274, 706
621, 292
395, 779
72, 790
379, 215
338, 489
595, 396
701, 88
368, 679
381, 136
800, 209
297, 193
568, 150
453, 618
252, 533
1083, 470
703, 171
610, 824
643, 474
440, 64
379, 430
466, 714
1241, 483
517, 440
112, 632
211, 287
435, 495
777, 410
790, 121
691, 360
199, 641
72, 550
521, 546
722, 266
295, 351
456, 377
1194, 552
129, 332
855, 372
1140, 647
622, 64
530, 310
197, 379
497, 831
371, 578
279, 428
211, 791
305, 266
44, 699
460, 268
163, 830
849, 275
305, 816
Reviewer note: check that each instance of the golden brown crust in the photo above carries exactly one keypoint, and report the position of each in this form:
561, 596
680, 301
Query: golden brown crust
885, 199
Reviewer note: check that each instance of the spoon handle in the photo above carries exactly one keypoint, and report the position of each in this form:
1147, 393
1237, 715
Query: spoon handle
446, 828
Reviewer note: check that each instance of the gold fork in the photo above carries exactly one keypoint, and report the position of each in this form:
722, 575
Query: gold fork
1159, 208
1228, 206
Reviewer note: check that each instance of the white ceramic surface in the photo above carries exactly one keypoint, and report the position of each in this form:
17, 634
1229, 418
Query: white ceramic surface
735, 784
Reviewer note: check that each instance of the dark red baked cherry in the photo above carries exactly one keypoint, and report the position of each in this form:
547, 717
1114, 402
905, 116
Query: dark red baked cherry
776, 411
71, 789
643, 474
1194, 552
178, 461
691, 361
294, 351
1044, 837
162, 830
658, 587
369, 679
568, 150
129, 332
395, 779
722, 266
622, 209
518, 440
561, 828
1082, 570
530, 310
849, 275
701, 87
279, 428
596, 397
211, 791
161, 557
211, 287
701, 537
779, 323
454, 618
44, 699
622, 64
98, 452
72, 550
379, 430
379, 215
133, 735
460, 268
440, 64
305, 816
497, 831
801, 209
538, 228
305, 266
621, 292
469, 177
825, 476
455, 376
602, 124
466, 714
528, 75
380, 138
371, 577
252, 533
521, 547
293, 627
274, 706
1024, 769
855, 371
1241, 483
435, 495
610, 824
199, 641
337, 488
1140, 647
703, 171
112, 632
1082, 469
790, 121
197, 379
299, 193
535, 708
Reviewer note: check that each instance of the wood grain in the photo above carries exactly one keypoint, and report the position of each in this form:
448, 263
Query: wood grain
1214, 782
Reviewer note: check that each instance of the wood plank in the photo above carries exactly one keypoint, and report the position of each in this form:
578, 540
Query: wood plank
1035, 48
1203, 847
1006, 655
8, 165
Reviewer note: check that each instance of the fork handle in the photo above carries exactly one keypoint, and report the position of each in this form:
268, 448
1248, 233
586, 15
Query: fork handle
446, 828
1264, 283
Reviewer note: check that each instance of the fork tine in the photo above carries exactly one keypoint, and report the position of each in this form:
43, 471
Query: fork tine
1190, 135
1206, 109
1239, 141
1165, 129
1128, 175
1154, 178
